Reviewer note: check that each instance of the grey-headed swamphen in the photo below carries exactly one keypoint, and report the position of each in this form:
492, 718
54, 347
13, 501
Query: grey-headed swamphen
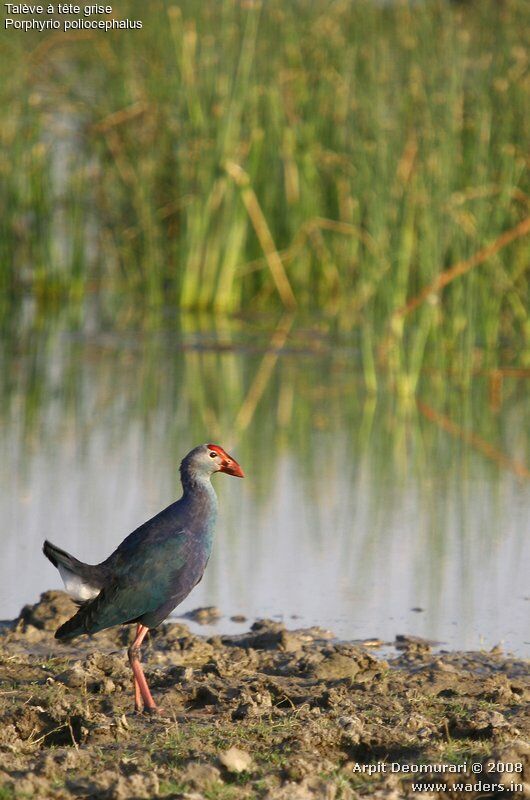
153, 569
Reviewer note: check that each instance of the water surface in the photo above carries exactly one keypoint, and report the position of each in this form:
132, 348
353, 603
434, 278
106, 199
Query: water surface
356, 509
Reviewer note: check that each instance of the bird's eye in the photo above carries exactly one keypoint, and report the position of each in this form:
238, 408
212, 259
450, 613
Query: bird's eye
212, 455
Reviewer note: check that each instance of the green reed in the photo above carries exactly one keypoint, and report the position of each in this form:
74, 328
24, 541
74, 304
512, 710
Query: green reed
357, 149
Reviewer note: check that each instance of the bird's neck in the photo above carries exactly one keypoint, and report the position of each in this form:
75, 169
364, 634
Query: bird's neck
198, 489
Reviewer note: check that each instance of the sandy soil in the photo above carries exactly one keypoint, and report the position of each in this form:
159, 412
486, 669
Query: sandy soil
269, 714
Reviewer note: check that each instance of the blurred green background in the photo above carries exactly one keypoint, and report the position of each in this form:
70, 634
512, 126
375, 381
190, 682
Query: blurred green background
242, 156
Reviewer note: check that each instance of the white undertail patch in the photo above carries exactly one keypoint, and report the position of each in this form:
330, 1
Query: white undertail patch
77, 588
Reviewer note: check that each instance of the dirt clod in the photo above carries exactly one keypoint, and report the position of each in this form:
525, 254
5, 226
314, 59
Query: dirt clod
204, 616
235, 760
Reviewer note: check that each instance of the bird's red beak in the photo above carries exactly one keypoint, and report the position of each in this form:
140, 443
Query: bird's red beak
228, 464
231, 467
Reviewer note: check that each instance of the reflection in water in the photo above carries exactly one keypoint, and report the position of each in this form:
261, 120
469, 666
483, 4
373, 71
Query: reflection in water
354, 511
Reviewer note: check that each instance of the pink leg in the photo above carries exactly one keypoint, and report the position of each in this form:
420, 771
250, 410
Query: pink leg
138, 699
142, 695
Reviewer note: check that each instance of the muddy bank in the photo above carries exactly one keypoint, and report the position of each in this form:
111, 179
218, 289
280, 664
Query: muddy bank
269, 714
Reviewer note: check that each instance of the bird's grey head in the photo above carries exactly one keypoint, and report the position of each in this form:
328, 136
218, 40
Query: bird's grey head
206, 459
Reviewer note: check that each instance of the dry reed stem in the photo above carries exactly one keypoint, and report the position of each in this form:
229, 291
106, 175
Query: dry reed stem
506, 372
407, 162
449, 275
259, 223
121, 116
124, 167
61, 39
262, 377
304, 232
496, 378
477, 442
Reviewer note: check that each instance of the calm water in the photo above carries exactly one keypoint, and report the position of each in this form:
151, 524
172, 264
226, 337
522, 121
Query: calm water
354, 512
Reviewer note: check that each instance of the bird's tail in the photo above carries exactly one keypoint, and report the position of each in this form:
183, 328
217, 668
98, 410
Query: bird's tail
61, 557
82, 581
73, 627
93, 616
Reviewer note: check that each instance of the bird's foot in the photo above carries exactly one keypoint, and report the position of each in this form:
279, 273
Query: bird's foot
147, 711
158, 713
153, 711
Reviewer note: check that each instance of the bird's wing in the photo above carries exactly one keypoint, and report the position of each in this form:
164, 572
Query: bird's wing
166, 525
137, 586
